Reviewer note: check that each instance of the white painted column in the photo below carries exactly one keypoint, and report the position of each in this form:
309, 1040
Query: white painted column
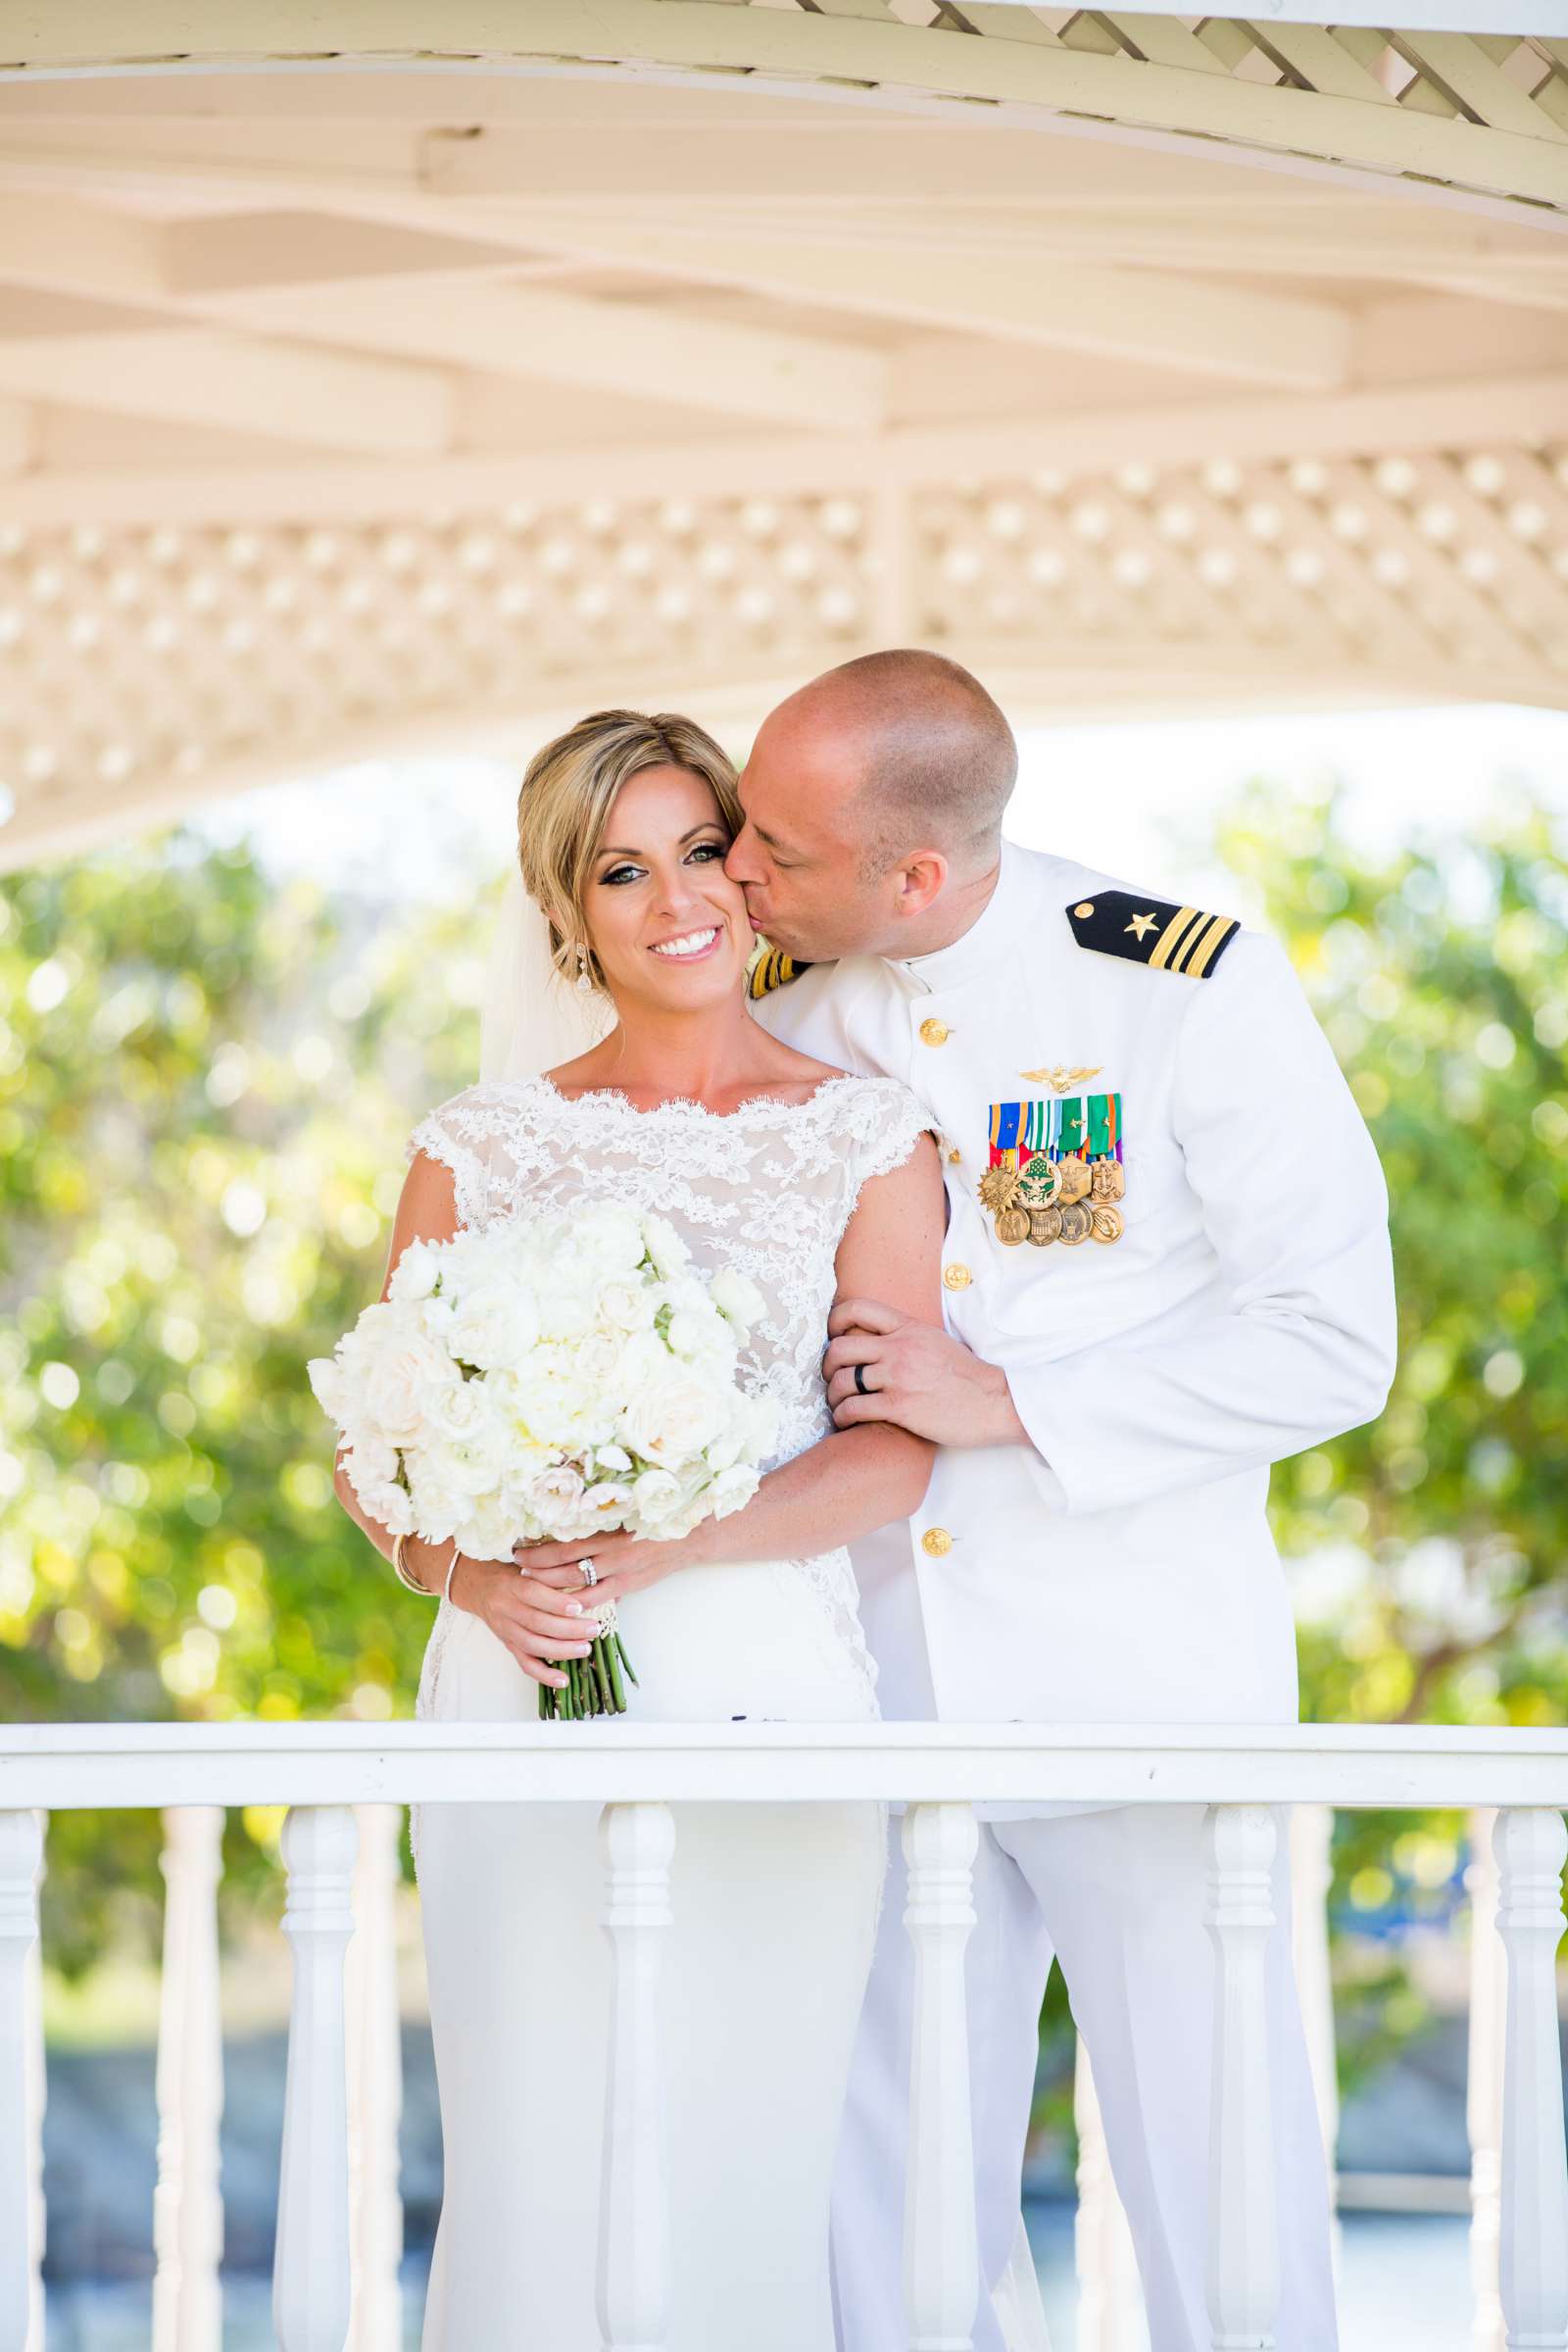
374, 2085
311, 2265
636, 1843
1110, 2299
1484, 2089
1530, 1846
38, 2095
1311, 1876
21, 1861
187, 2201
941, 2249
1242, 2270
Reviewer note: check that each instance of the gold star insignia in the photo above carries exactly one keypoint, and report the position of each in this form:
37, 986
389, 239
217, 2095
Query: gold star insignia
1142, 923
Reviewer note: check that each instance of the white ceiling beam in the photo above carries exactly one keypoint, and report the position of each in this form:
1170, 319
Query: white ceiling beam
1405, 416
1150, 316
18, 436
427, 312
639, 349
292, 394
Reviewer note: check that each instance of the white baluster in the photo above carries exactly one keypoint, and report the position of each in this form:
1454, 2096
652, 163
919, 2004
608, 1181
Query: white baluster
1530, 1846
1109, 2296
375, 2084
1312, 1837
311, 2265
21, 1869
636, 1843
1484, 2090
1243, 2272
941, 2253
38, 2095
187, 2203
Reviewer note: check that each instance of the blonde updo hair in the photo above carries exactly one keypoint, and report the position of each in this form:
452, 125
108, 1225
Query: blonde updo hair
568, 792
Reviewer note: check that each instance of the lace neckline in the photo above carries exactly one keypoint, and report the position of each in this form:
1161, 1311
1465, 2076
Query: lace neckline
684, 1104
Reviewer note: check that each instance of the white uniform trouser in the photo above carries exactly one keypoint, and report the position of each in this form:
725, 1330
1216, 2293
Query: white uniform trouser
1118, 1897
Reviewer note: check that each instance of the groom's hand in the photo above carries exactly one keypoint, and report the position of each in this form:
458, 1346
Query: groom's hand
918, 1377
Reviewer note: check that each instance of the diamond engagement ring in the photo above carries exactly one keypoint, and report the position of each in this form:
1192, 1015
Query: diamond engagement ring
589, 1574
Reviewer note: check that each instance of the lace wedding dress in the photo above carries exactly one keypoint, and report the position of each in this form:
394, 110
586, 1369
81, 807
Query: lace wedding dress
774, 1907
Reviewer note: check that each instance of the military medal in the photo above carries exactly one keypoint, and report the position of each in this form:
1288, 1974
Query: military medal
1056, 1171
1077, 1222
1039, 1183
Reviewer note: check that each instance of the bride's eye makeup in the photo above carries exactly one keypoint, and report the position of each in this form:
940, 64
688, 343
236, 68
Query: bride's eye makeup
704, 851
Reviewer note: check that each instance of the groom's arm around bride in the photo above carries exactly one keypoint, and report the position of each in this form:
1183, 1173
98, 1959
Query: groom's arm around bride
1166, 1266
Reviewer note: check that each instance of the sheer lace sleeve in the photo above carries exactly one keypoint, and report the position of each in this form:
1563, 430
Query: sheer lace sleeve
887, 1122
457, 1133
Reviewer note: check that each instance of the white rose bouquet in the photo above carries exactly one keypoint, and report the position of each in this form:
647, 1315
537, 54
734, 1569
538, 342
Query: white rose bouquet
547, 1379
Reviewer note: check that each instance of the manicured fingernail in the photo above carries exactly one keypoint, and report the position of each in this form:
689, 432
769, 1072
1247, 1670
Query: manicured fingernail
575, 1608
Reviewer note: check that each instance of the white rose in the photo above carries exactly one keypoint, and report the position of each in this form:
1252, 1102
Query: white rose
666, 1421
726, 1447
625, 1303
493, 1325
612, 1457
656, 1496
404, 1373
605, 1238
488, 1531
610, 1500
331, 1385
383, 1498
417, 1271
733, 1490
566, 1306
737, 1298
665, 1248
556, 1493
692, 1332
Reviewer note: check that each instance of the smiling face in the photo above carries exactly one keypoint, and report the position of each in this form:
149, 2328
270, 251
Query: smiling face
667, 926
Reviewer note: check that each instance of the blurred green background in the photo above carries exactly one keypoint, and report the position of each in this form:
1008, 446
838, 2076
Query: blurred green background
207, 1077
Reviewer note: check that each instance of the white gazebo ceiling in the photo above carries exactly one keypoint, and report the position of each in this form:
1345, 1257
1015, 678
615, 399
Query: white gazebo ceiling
356, 397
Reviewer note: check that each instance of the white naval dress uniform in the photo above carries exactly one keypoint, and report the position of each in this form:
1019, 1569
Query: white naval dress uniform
1120, 1569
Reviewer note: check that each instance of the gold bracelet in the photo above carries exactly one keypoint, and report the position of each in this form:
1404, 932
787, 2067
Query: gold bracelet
402, 1574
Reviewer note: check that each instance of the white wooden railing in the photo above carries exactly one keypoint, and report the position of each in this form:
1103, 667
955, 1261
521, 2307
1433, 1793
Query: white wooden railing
339, 2225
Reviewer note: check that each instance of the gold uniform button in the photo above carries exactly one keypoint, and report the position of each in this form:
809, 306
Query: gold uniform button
954, 1157
936, 1541
1086, 908
956, 1277
934, 1033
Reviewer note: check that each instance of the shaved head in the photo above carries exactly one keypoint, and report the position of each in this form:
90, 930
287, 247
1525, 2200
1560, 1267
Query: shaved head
936, 758
873, 802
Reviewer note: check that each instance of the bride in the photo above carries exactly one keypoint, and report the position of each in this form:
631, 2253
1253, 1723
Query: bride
811, 1182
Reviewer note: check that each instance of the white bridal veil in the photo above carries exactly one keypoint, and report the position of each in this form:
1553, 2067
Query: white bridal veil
531, 1019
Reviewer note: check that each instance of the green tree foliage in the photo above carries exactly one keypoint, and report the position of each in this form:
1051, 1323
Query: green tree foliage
205, 1089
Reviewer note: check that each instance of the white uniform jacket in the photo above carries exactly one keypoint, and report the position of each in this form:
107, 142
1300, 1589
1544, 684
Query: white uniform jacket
1121, 1568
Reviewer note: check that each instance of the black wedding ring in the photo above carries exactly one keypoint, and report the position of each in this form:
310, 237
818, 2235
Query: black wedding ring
859, 1379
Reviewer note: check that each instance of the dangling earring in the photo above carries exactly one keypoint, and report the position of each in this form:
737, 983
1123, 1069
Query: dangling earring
583, 981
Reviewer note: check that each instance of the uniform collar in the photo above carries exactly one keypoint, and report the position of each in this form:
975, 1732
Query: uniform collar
994, 932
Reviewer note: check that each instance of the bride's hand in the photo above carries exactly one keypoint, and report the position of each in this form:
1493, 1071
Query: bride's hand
625, 1563
535, 1626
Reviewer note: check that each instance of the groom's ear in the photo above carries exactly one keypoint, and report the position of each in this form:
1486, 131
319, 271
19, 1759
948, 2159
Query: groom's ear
919, 881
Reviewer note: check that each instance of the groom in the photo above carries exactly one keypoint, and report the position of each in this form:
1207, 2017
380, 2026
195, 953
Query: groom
1166, 1267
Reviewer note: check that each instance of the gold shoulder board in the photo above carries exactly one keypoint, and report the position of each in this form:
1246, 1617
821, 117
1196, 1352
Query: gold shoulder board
772, 969
1153, 931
